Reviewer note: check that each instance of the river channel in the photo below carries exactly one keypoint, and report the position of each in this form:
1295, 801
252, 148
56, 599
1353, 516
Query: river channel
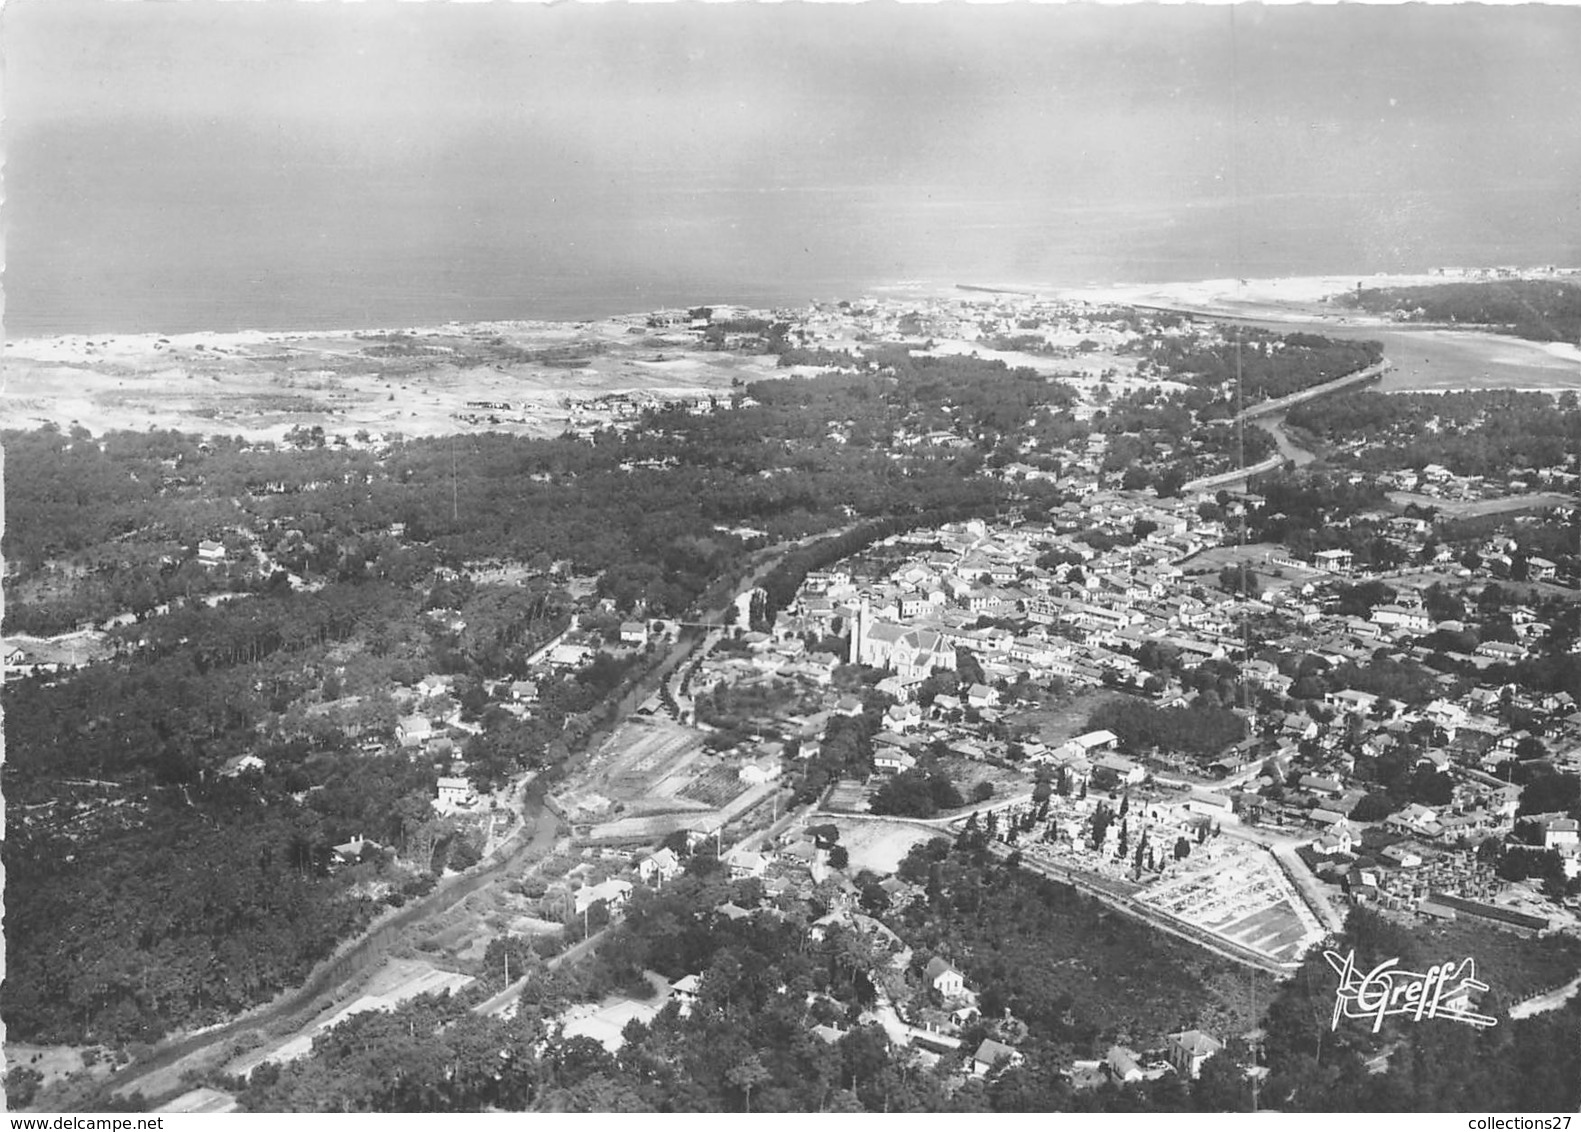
1434, 359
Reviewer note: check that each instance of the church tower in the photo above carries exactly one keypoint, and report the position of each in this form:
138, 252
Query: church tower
858, 633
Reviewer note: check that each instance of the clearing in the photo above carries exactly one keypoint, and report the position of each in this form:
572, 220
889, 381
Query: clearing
878, 844
1470, 509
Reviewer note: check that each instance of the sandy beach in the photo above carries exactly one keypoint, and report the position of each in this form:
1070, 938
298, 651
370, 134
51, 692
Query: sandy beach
429, 380
414, 381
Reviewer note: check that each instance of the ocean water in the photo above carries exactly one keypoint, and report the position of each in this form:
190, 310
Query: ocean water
107, 231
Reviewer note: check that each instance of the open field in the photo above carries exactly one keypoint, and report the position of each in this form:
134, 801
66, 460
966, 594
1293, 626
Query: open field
415, 382
879, 845
201, 1100
967, 773
55, 1063
1458, 509
1056, 724
81, 647
603, 1021
1258, 557
1215, 558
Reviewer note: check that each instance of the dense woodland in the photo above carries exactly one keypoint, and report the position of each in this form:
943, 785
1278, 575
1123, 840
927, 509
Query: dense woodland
1057, 975
1201, 729
1543, 310
146, 889
123, 760
1483, 433
1267, 365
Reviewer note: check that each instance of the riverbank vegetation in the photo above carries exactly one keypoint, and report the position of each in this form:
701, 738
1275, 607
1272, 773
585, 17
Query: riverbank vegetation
1540, 309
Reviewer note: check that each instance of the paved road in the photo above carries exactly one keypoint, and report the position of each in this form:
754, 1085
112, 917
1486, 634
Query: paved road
356, 958
1236, 475
361, 953
1280, 404
1289, 452
1543, 1003
497, 1004
1311, 889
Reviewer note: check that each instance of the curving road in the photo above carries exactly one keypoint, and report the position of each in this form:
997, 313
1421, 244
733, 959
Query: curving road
1543, 1003
1289, 452
151, 1073
356, 958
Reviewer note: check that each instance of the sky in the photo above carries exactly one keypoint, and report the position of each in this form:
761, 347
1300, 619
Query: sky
203, 159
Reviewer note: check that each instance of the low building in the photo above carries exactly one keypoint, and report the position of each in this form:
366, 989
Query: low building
1128, 772
1123, 1065
613, 892
1563, 834
991, 1054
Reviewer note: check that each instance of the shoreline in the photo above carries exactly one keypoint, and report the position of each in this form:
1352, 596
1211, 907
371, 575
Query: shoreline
464, 377
1282, 297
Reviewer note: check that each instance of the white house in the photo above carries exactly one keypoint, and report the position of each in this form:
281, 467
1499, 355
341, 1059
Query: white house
684, 991
433, 686
662, 865
981, 696
891, 757
1123, 768
1561, 833
454, 792
412, 730
1096, 741
1190, 1048
759, 771
944, 978
743, 864
613, 892
902, 717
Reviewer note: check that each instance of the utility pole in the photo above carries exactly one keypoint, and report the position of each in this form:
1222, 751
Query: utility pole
1255, 1074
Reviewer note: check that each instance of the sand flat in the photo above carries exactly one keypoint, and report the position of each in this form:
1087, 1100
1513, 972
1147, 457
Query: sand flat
411, 381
